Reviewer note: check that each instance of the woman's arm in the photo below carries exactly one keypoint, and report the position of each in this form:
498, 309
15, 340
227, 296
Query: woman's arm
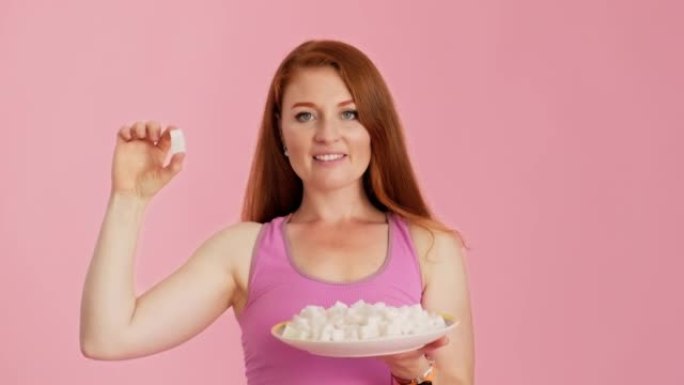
117, 325
114, 323
446, 290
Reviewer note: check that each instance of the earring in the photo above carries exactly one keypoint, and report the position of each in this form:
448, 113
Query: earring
285, 152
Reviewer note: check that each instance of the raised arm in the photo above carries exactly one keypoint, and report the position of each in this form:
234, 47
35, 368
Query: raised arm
115, 324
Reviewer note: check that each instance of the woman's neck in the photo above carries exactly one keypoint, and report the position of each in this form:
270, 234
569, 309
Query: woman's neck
336, 206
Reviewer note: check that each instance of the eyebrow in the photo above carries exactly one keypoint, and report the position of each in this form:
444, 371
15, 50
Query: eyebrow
309, 104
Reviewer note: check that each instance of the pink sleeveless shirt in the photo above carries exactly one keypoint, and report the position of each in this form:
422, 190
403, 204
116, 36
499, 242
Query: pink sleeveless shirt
278, 290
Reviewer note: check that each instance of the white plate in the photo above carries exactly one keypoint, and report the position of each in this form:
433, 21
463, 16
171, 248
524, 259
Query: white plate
365, 348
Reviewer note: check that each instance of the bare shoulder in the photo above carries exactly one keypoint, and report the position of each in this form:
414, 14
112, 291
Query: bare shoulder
238, 231
434, 245
439, 252
229, 246
237, 240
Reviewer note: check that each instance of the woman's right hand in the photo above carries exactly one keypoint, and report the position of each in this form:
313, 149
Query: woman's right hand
138, 166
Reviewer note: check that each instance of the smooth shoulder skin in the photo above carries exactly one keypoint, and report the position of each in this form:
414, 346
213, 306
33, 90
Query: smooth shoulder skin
446, 289
191, 298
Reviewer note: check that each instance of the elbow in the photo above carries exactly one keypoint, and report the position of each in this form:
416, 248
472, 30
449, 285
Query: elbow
97, 344
92, 350
99, 351
89, 350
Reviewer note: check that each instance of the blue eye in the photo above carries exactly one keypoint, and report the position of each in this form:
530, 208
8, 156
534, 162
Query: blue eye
350, 114
304, 116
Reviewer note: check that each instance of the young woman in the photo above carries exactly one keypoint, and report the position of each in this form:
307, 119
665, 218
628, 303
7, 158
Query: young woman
332, 213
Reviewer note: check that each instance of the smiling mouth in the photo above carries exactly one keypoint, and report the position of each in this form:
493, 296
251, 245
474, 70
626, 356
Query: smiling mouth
329, 157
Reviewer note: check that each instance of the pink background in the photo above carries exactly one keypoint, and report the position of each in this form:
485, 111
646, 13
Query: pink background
550, 134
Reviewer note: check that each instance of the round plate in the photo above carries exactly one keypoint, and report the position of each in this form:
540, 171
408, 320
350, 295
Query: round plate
365, 348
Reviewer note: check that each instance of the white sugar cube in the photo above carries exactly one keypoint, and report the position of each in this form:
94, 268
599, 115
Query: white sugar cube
369, 331
338, 335
177, 141
351, 333
294, 333
326, 333
361, 321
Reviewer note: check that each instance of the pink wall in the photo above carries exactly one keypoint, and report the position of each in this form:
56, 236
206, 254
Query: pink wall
551, 135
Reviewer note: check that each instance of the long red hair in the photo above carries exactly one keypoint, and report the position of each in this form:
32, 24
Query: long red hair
275, 190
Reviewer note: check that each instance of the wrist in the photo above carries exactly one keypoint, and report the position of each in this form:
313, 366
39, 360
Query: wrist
127, 208
129, 200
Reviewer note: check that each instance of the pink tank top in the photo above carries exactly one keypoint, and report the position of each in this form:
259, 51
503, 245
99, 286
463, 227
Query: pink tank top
278, 290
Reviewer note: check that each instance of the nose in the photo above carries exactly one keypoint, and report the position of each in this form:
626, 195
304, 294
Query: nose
327, 131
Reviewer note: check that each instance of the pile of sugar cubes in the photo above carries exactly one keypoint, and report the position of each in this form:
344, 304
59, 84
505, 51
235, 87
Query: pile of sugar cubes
360, 321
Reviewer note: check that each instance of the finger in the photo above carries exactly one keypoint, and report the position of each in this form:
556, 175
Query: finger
165, 141
176, 163
174, 167
139, 130
125, 133
152, 130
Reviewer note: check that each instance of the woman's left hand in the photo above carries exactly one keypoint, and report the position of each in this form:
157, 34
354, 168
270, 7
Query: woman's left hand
412, 364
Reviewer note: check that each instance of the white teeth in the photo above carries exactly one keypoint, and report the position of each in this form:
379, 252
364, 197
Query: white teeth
328, 157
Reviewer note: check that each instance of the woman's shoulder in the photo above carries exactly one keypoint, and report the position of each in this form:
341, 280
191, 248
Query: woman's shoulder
231, 243
241, 228
239, 235
235, 243
244, 234
432, 243
439, 252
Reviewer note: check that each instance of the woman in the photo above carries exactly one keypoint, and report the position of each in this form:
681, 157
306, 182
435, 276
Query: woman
332, 212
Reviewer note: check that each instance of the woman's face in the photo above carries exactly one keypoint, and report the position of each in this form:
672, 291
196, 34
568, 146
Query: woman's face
327, 146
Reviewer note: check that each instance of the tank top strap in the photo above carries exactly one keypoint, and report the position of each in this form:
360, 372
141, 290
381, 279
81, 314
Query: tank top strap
267, 258
404, 263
